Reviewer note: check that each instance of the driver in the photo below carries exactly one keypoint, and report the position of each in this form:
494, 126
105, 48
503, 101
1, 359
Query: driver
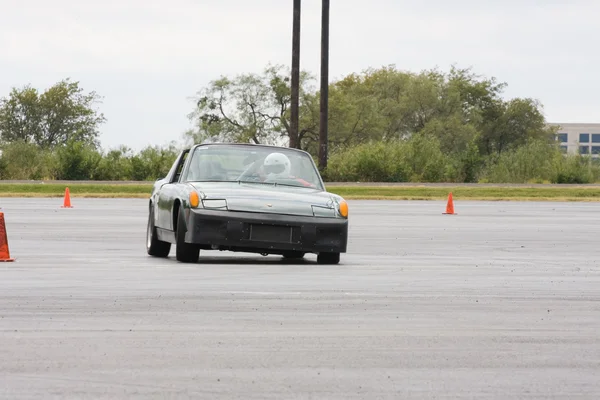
278, 166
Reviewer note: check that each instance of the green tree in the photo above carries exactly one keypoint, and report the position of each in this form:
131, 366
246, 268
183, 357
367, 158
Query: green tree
458, 107
464, 112
246, 108
60, 114
512, 124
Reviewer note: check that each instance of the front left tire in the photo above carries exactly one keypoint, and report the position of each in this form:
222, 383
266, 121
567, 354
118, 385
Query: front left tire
185, 252
328, 258
155, 247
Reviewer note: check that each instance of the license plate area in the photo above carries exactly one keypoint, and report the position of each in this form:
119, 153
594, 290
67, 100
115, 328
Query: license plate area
271, 233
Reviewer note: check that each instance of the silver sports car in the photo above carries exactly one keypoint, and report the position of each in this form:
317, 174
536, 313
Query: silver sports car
246, 198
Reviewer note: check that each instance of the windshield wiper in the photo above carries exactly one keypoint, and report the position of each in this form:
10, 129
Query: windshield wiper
215, 180
279, 184
289, 185
258, 182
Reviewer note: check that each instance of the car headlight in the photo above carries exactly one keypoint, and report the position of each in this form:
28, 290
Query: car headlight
325, 212
214, 203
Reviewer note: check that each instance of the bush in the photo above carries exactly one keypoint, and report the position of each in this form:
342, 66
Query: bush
539, 161
576, 169
373, 162
78, 161
26, 161
419, 159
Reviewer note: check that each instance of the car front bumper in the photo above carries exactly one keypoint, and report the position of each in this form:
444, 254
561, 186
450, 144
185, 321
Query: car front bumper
264, 232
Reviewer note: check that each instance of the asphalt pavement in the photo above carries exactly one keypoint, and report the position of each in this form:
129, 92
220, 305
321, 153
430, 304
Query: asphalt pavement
501, 301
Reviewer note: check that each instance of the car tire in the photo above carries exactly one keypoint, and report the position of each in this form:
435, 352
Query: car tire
155, 247
184, 252
328, 258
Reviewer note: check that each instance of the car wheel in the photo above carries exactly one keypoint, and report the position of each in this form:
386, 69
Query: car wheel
328, 258
155, 247
184, 252
294, 255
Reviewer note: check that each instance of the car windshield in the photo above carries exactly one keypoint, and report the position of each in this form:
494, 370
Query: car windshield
242, 163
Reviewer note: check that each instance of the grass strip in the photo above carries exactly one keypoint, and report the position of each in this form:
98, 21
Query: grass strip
469, 193
52, 189
142, 190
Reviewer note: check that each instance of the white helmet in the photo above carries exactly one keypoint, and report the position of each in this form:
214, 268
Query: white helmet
277, 165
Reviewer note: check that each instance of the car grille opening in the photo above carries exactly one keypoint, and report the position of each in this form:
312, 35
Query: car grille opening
272, 233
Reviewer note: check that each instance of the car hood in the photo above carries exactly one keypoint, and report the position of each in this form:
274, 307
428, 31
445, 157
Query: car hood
268, 198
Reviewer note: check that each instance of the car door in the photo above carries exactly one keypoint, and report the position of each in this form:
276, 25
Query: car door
168, 193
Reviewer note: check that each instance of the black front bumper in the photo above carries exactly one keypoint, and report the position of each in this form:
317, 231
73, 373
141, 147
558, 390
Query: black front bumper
264, 232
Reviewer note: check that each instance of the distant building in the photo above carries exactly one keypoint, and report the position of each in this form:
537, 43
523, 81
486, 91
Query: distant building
579, 138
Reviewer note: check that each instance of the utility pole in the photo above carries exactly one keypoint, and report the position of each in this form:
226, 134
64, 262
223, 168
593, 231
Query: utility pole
294, 134
324, 84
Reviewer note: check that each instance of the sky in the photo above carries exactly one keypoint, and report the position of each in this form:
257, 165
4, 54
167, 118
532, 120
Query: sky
148, 58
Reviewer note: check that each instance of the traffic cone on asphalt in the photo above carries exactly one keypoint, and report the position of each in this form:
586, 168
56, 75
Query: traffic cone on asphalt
450, 205
4, 251
67, 200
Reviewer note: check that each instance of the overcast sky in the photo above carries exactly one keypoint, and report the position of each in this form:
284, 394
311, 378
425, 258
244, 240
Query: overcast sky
148, 57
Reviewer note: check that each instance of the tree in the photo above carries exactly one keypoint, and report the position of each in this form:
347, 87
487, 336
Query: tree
464, 112
513, 124
459, 108
389, 104
53, 118
247, 108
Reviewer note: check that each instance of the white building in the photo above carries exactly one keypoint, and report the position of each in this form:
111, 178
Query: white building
579, 138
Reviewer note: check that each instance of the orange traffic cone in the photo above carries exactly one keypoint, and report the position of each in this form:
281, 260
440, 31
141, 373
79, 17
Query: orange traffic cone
4, 251
67, 200
450, 205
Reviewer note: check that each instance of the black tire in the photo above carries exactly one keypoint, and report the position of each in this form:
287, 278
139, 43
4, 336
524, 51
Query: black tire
184, 252
328, 258
155, 247
293, 255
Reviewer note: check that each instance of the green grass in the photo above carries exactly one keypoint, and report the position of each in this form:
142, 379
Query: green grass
142, 190
75, 190
469, 193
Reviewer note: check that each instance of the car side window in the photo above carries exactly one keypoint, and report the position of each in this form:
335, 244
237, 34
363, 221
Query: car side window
180, 168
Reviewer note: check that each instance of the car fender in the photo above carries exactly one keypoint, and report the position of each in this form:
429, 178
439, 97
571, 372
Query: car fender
182, 200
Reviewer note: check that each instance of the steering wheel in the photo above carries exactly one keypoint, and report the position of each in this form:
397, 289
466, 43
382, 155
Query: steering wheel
250, 174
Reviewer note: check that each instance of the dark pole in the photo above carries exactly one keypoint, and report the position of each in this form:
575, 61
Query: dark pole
324, 84
294, 142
